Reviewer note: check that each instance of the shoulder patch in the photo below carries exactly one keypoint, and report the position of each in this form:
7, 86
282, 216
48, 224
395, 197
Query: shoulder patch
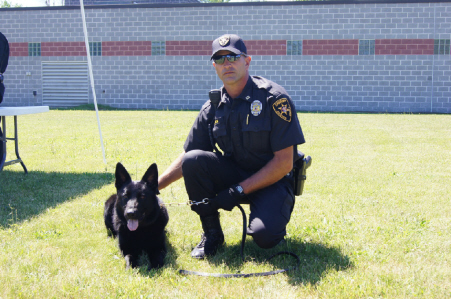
283, 109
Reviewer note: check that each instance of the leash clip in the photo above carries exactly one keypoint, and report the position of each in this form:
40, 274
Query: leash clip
205, 201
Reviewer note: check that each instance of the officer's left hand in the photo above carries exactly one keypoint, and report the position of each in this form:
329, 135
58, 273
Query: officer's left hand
227, 199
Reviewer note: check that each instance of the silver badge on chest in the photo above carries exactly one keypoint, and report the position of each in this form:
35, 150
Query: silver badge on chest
256, 108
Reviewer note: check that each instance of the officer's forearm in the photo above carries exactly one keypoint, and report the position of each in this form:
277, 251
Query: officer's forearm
172, 173
272, 172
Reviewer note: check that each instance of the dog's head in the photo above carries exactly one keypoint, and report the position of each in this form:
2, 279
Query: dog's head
137, 200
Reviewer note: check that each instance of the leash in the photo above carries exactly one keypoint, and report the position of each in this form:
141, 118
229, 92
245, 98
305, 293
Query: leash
243, 239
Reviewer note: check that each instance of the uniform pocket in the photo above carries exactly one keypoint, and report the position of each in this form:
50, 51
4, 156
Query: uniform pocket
220, 135
219, 127
256, 135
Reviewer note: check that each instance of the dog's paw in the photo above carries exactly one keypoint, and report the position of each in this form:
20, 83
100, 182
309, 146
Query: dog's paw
130, 261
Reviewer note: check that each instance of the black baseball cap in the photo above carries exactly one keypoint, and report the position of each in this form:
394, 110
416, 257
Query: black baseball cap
229, 42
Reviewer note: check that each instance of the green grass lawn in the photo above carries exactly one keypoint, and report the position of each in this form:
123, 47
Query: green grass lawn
374, 220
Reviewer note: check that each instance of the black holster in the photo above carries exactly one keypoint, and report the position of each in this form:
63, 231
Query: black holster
300, 172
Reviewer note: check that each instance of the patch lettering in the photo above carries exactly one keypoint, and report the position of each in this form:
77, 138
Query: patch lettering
283, 109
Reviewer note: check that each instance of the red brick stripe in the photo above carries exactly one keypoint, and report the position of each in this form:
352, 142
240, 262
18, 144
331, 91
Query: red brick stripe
254, 47
63, 49
136, 48
188, 48
404, 47
330, 47
18, 49
266, 47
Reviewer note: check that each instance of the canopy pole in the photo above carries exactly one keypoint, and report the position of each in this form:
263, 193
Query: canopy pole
91, 76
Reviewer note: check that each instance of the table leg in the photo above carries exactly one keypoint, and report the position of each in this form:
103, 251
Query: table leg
16, 143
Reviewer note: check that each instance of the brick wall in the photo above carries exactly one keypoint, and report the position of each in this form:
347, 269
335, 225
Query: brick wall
116, 2
124, 48
53, 49
266, 47
405, 47
402, 75
18, 49
188, 48
330, 47
263, 47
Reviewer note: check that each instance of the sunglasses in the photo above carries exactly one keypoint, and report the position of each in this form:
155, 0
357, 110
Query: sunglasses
220, 59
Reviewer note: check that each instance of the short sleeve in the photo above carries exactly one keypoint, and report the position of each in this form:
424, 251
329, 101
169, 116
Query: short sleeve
286, 130
198, 137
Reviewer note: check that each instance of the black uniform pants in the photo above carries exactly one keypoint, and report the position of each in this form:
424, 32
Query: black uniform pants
1, 143
207, 173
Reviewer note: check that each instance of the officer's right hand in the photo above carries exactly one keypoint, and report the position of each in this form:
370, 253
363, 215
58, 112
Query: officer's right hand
227, 199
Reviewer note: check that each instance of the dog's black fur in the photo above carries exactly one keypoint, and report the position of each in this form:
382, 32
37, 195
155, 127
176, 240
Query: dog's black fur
137, 216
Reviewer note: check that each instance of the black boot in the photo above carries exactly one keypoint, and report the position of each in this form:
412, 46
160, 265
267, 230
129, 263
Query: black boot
212, 238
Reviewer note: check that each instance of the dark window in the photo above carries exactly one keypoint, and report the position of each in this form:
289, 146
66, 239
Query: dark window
34, 49
294, 47
95, 48
159, 48
441, 46
366, 47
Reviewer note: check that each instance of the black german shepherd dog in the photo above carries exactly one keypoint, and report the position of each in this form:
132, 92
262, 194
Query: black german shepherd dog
137, 216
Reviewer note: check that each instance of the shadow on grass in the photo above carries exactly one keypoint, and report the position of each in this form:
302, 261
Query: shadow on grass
102, 107
87, 107
315, 259
25, 196
170, 261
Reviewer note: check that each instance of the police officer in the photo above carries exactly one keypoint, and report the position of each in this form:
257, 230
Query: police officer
4, 57
256, 127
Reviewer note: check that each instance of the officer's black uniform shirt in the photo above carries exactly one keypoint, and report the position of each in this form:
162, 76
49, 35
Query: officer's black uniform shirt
249, 128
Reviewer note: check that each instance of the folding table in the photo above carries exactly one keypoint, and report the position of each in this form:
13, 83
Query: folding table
15, 111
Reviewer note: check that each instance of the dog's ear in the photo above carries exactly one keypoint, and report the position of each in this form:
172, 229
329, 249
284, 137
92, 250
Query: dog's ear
151, 177
122, 176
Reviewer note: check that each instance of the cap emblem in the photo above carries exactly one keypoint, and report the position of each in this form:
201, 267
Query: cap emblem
224, 40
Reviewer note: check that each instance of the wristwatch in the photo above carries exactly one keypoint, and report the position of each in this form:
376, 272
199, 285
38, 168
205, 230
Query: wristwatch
240, 190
